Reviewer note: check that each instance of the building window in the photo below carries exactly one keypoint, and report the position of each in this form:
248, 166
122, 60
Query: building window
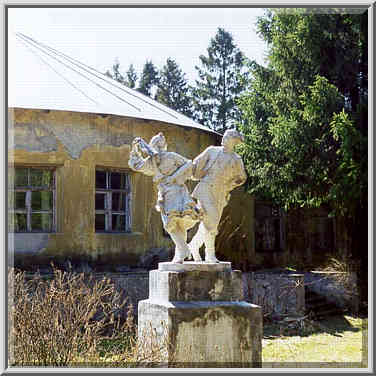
31, 200
112, 201
269, 228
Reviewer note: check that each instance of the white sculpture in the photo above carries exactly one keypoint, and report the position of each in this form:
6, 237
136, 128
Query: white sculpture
219, 170
170, 171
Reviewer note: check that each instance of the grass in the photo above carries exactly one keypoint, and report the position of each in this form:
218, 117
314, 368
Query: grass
334, 342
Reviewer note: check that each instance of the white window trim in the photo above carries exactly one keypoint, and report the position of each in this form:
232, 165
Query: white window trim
107, 192
28, 209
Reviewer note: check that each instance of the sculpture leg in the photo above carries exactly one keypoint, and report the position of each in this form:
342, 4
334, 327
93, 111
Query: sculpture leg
179, 237
206, 233
196, 242
208, 228
210, 246
211, 230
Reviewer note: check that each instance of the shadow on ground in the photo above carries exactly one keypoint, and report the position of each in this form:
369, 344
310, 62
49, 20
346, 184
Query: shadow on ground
334, 325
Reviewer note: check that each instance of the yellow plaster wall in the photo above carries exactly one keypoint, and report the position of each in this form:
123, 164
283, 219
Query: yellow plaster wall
76, 158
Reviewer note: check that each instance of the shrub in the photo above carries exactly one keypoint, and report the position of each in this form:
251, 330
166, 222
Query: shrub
61, 321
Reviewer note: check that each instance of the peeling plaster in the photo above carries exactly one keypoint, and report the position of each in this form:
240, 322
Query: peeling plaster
32, 137
43, 138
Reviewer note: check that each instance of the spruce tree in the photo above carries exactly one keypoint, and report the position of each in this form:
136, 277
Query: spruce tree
222, 79
173, 89
131, 77
149, 78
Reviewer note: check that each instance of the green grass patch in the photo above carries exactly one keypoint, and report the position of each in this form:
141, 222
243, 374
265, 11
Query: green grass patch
334, 342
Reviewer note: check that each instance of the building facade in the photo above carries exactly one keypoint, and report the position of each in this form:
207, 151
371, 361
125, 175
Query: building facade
71, 193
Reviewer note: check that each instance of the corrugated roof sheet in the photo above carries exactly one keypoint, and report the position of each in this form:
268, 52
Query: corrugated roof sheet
52, 80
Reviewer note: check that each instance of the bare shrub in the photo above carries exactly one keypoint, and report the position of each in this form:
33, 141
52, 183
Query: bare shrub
342, 269
62, 320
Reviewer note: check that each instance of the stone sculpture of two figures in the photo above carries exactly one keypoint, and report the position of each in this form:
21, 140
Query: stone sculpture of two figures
218, 170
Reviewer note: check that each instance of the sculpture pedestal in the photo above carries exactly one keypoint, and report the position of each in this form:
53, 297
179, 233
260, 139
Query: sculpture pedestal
197, 308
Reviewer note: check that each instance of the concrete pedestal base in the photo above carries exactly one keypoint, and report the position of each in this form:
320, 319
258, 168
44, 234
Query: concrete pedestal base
198, 311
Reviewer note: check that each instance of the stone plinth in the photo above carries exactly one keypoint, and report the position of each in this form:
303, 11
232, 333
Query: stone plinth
199, 311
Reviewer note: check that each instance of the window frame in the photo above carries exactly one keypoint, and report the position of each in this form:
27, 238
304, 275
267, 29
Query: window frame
108, 212
29, 189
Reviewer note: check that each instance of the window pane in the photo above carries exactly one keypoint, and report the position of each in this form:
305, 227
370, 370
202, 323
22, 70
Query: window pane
21, 177
42, 200
41, 178
20, 222
100, 201
117, 180
100, 179
41, 222
19, 200
118, 201
118, 222
100, 222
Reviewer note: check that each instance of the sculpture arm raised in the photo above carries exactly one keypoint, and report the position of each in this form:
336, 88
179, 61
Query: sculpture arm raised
137, 162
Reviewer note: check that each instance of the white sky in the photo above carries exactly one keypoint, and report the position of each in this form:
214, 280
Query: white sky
98, 36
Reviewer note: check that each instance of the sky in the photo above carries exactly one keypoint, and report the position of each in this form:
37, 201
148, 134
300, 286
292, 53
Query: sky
98, 36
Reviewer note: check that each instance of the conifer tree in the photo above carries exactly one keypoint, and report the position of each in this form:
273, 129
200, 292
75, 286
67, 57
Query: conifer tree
131, 77
222, 79
173, 89
149, 79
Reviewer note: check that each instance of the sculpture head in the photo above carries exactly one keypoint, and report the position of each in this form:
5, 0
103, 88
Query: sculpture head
158, 142
231, 138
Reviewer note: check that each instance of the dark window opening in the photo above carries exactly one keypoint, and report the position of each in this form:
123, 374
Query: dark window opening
269, 228
112, 201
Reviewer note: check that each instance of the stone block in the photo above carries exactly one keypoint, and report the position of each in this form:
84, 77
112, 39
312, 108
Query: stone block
195, 285
204, 333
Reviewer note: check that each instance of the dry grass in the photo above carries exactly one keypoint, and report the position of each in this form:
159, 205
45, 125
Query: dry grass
72, 320
53, 321
342, 273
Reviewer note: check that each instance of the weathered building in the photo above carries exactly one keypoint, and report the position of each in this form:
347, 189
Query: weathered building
71, 193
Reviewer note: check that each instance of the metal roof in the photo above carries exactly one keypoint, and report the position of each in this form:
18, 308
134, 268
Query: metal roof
49, 79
